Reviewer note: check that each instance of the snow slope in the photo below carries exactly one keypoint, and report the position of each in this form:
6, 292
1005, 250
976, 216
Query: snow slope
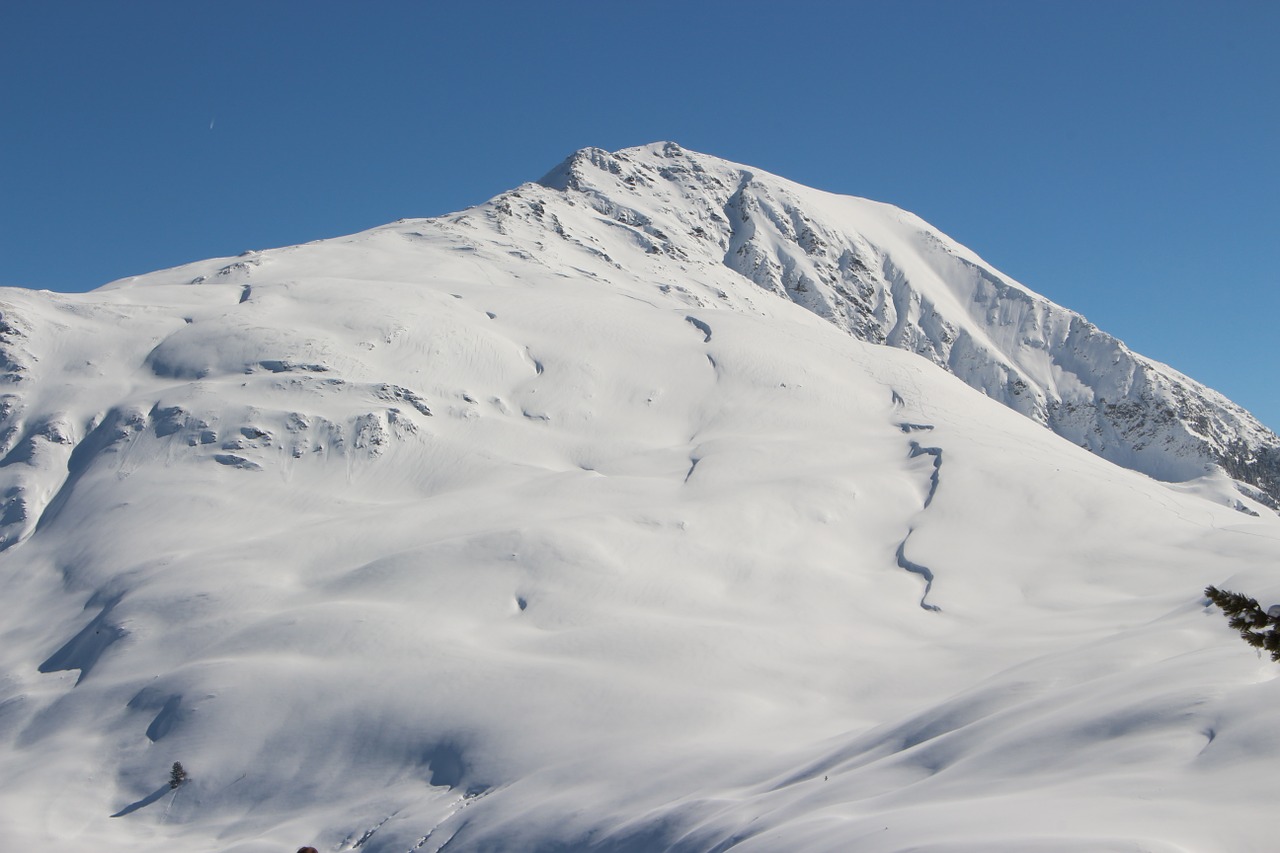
502, 532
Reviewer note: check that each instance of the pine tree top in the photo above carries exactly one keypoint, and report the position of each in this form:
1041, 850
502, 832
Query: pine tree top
1244, 614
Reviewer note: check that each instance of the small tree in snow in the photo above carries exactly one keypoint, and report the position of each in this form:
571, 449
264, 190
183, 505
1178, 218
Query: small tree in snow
177, 775
1256, 627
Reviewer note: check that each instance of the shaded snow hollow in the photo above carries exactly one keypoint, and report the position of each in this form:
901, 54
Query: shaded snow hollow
598, 518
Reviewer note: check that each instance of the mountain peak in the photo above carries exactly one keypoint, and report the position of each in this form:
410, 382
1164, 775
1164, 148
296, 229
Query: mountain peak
887, 277
576, 171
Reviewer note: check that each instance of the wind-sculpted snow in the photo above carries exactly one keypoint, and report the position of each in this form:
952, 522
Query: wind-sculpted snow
518, 531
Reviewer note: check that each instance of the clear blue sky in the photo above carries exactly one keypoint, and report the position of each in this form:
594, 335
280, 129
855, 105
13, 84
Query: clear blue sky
1118, 157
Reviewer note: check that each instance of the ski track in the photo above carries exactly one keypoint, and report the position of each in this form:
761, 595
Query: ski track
901, 556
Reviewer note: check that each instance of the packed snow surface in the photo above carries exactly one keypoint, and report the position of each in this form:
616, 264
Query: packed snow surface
540, 528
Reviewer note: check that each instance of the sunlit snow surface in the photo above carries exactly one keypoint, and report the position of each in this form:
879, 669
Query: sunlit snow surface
466, 532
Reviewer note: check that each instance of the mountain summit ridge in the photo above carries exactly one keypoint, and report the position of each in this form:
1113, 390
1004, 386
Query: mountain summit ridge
699, 226
912, 287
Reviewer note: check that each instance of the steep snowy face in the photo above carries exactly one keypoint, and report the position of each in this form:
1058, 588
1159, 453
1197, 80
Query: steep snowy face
885, 276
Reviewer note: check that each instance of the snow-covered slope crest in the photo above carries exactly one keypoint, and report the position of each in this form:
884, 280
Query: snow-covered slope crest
518, 530
886, 276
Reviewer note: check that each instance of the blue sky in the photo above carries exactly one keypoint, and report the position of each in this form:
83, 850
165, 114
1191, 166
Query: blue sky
1118, 157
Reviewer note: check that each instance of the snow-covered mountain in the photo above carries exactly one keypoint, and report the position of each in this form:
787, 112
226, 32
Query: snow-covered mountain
598, 518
